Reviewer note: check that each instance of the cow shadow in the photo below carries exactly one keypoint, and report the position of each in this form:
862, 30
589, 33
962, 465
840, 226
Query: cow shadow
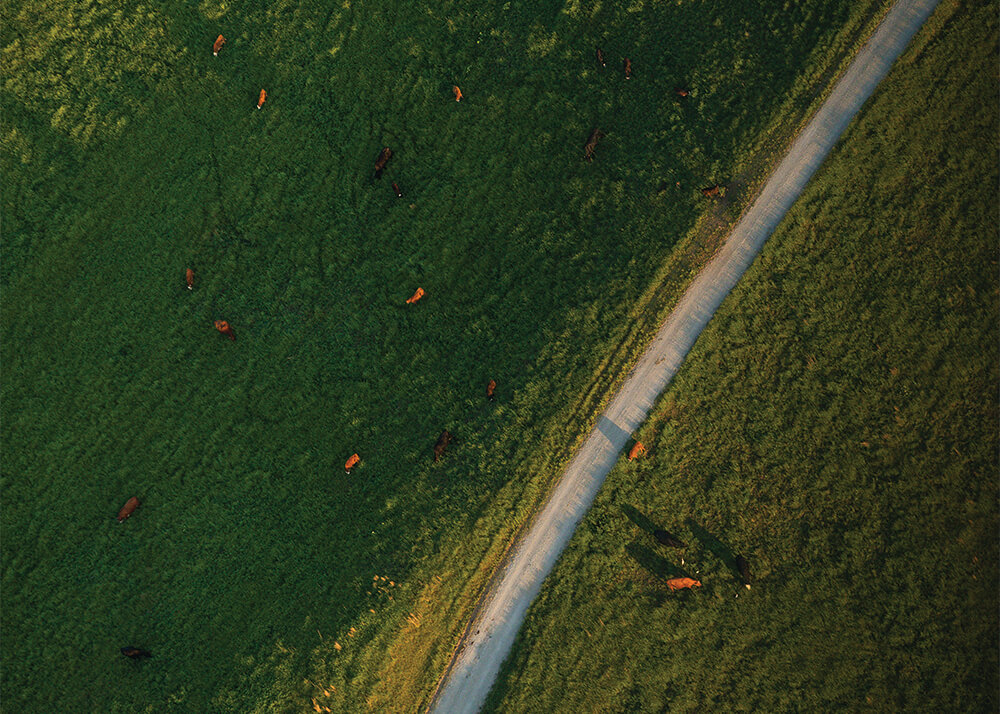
653, 563
715, 546
639, 518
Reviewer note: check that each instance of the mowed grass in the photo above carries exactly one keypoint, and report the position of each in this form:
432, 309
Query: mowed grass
260, 575
835, 425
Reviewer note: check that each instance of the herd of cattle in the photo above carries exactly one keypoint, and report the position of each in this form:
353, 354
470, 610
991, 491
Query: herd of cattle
446, 438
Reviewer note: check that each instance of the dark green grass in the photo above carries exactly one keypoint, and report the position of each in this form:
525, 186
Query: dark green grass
836, 426
130, 153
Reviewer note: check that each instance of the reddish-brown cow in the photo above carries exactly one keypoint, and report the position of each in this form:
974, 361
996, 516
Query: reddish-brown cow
128, 508
682, 583
637, 450
219, 42
223, 327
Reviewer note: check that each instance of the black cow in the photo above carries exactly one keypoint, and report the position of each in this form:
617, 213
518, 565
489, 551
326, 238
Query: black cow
442, 444
381, 161
744, 569
669, 539
136, 653
588, 150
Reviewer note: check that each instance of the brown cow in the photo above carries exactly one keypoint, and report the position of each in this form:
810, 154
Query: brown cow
128, 508
441, 444
711, 191
588, 149
681, 92
682, 583
395, 188
600, 58
744, 569
189, 276
490, 389
135, 653
219, 42
352, 462
382, 160
416, 296
223, 327
628, 68
261, 99
458, 93
637, 450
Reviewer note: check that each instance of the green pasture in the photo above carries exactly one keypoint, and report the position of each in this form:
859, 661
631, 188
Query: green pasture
261, 576
835, 425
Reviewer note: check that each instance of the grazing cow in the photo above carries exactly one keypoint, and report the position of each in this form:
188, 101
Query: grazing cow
442, 444
628, 68
189, 276
128, 508
416, 296
458, 93
219, 42
600, 58
667, 538
352, 462
744, 569
681, 92
395, 188
711, 191
382, 160
261, 99
637, 450
682, 583
135, 653
223, 327
588, 149
491, 387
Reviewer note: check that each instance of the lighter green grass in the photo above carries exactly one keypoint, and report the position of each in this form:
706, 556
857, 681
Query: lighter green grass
835, 424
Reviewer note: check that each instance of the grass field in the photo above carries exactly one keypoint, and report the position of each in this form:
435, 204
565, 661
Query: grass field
257, 572
835, 425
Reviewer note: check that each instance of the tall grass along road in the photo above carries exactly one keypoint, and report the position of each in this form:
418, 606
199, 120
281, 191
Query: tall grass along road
491, 633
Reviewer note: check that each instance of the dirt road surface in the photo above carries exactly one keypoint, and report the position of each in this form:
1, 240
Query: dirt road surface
491, 634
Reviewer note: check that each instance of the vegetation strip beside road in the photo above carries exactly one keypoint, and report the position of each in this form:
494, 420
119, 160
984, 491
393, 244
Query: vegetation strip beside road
492, 633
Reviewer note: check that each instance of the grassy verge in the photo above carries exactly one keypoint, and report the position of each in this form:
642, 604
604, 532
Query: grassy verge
259, 574
835, 425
